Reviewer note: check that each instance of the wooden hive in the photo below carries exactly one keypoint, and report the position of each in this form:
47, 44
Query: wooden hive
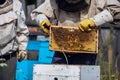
71, 39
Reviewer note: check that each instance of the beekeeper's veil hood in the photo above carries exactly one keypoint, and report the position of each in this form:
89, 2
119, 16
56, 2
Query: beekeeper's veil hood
72, 5
4, 3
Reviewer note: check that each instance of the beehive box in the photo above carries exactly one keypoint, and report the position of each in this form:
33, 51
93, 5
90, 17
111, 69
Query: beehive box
65, 72
71, 39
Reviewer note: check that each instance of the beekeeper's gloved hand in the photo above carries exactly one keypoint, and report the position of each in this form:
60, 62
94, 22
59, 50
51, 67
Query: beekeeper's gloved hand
44, 23
21, 55
99, 19
86, 25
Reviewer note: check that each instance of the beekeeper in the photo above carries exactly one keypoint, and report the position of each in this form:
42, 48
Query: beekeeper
85, 14
13, 37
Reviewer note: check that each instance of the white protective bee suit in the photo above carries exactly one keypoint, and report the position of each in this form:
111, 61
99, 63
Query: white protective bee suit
70, 13
13, 37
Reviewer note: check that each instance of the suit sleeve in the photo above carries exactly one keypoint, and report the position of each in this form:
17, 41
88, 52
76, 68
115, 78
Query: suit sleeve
22, 30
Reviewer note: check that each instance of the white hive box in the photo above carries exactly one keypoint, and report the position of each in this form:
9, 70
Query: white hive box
65, 72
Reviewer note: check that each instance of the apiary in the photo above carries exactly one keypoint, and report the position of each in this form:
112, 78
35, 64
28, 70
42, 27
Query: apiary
71, 39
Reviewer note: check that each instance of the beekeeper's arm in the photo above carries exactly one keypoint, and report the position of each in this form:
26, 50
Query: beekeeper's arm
43, 13
109, 14
22, 32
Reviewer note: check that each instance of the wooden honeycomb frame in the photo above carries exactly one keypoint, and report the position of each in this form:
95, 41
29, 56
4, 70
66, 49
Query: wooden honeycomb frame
71, 39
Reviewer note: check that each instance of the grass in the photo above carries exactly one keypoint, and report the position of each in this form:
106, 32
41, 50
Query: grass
105, 59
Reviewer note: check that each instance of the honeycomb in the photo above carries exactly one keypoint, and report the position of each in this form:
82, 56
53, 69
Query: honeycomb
71, 39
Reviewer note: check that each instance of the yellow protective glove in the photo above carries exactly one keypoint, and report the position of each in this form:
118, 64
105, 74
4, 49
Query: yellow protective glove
86, 25
45, 26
